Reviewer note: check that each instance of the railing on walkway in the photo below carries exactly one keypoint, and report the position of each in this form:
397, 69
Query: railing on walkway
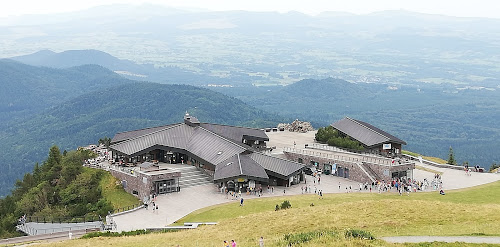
127, 208
46, 237
32, 231
432, 163
48, 219
344, 156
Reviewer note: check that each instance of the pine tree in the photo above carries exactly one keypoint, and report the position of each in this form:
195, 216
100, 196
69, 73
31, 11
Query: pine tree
451, 157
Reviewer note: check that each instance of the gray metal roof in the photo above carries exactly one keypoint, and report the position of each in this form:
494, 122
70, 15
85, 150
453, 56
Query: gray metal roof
236, 133
365, 133
216, 144
122, 136
171, 136
240, 166
278, 166
212, 147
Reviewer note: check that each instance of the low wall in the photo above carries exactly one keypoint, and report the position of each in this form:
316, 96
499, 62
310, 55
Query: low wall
355, 173
141, 182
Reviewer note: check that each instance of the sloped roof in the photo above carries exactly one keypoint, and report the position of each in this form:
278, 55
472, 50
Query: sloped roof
216, 144
212, 147
275, 165
170, 136
122, 136
240, 165
236, 133
365, 133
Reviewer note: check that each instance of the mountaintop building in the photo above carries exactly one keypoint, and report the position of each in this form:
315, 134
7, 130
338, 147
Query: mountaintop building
231, 156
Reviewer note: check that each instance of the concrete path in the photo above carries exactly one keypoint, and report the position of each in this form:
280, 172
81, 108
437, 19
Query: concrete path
174, 206
448, 239
455, 179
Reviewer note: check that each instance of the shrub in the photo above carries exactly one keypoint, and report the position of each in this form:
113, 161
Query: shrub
355, 233
286, 205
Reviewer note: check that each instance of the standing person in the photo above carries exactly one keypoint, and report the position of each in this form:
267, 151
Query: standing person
339, 185
241, 202
319, 180
226, 244
233, 243
261, 242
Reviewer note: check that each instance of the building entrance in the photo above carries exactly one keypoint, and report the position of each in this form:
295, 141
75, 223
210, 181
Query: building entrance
166, 186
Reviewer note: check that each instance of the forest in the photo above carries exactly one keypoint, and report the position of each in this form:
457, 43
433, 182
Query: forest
60, 187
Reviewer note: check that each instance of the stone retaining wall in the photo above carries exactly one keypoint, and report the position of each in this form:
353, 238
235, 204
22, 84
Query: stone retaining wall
140, 182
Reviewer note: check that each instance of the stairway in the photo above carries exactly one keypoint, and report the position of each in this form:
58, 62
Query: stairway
191, 176
372, 174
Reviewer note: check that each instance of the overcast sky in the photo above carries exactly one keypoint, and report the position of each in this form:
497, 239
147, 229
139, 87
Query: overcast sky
463, 8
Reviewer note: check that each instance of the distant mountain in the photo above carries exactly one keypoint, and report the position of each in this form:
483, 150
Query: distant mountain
86, 118
125, 68
270, 48
28, 89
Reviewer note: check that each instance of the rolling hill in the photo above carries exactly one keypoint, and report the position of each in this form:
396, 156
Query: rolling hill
126, 68
28, 90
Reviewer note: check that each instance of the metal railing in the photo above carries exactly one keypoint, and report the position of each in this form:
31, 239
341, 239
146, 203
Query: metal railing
344, 155
127, 208
48, 219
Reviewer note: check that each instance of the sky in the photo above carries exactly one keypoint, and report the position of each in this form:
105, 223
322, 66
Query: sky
460, 8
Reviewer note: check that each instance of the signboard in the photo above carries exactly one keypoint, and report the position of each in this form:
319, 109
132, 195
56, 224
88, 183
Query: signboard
241, 180
386, 146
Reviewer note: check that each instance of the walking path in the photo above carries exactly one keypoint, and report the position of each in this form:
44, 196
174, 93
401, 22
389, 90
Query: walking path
174, 206
448, 239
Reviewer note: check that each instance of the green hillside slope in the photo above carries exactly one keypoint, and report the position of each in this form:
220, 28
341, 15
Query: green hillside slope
87, 118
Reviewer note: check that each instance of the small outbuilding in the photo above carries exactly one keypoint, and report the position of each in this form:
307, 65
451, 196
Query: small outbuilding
373, 139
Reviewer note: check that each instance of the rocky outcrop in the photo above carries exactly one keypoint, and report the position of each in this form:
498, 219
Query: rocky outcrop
296, 126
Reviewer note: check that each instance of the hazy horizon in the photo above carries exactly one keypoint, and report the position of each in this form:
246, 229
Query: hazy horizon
463, 8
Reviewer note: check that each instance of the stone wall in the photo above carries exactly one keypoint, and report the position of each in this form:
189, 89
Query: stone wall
385, 172
140, 182
355, 172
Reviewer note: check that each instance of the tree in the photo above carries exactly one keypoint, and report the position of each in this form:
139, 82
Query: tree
451, 157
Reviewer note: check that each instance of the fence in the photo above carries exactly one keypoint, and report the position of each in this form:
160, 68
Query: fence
125, 209
345, 157
47, 219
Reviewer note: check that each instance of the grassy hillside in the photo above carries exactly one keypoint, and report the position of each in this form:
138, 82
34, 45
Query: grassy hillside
113, 192
471, 211
85, 119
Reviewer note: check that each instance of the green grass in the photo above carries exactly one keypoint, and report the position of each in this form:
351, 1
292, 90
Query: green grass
428, 170
114, 193
433, 159
472, 211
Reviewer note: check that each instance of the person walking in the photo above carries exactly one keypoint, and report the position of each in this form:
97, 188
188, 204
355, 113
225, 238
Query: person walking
233, 243
241, 202
226, 244
261, 242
